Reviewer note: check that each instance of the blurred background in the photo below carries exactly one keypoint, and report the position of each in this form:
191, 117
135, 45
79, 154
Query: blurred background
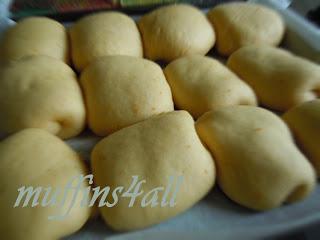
73, 8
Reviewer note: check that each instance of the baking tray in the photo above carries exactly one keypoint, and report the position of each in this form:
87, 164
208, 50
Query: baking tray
214, 217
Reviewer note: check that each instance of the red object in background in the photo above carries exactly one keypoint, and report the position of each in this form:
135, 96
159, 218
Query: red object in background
66, 6
24, 8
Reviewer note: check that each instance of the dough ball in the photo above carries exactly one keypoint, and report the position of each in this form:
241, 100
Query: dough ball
103, 34
40, 92
123, 90
35, 158
280, 79
258, 164
304, 121
200, 84
35, 36
155, 149
174, 31
242, 24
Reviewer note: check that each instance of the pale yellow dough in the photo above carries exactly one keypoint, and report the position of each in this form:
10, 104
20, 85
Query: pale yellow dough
123, 90
40, 92
174, 31
103, 34
200, 84
304, 121
163, 146
241, 24
258, 165
33, 157
35, 36
280, 79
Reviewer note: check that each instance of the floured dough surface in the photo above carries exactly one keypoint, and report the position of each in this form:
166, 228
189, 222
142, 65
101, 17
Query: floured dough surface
122, 90
40, 92
258, 165
104, 34
241, 24
200, 84
155, 149
34, 157
304, 121
174, 31
280, 79
35, 36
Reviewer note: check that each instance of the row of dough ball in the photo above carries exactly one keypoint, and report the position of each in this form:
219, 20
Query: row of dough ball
163, 146
118, 91
167, 33
258, 166
43, 92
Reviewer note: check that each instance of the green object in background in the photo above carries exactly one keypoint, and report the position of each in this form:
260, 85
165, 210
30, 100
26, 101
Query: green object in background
24, 8
60, 8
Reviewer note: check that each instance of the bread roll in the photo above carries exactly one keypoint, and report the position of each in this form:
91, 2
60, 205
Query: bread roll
155, 149
40, 92
200, 84
123, 90
35, 36
304, 121
258, 164
280, 79
241, 24
103, 34
35, 158
175, 31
